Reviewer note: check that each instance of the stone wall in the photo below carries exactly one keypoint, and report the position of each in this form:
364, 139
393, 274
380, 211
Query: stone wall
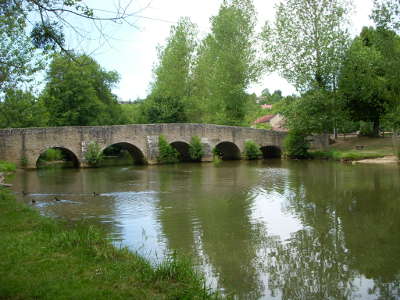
26, 145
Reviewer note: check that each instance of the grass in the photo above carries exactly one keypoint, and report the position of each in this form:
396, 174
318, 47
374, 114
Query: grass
345, 149
41, 258
7, 166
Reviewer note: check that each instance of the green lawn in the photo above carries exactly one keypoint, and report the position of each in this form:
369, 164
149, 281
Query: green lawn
346, 149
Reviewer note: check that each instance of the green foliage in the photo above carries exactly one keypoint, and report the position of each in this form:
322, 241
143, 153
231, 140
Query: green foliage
133, 112
19, 60
385, 14
167, 153
160, 109
196, 148
52, 155
344, 155
296, 145
172, 74
216, 152
365, 83
226, 65
24, 161
252, 150
307, 42
78, 92
308, 114
6, 166
21, 109
93, 154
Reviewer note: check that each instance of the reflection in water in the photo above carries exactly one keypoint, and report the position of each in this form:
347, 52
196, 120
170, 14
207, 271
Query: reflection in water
273, 229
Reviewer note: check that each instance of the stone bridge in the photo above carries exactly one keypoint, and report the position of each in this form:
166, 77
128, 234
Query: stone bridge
24, 146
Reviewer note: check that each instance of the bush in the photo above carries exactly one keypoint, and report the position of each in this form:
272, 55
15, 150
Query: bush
366, 129
167, 153
6, 166
52, 155
93, 154
296, 145
196, 149
252, 150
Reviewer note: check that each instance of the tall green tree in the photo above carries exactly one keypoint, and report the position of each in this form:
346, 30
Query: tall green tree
227, 64
307, 42
365, 81
78, 92
172, 73
172, 85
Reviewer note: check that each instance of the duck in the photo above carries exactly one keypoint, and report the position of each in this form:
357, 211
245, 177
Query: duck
55, 198
95, 194
24, 193
33, 201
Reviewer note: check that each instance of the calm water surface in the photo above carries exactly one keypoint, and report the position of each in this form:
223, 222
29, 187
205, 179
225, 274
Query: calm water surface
269, 230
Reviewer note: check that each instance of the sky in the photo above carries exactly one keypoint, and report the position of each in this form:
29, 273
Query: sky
131, 49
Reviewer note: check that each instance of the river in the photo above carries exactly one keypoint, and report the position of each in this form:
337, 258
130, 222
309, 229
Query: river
271, 229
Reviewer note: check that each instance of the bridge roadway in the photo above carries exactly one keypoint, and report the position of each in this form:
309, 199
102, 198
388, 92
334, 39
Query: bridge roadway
25, 145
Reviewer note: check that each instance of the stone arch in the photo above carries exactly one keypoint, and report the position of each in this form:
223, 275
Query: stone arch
271, 152
135, 152
183, 150
68, 154
228, 151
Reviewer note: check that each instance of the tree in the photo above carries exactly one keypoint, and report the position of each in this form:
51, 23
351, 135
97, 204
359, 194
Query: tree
49, 18
386, 14
172, 74
21, 109
364, 83
171, 87
227, 64
307, 114
18, 57
164, 110
78, 92
307, 42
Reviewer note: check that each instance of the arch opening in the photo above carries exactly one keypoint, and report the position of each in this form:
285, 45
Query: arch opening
271, 152
227, 151
122, 154
57, 157
183, 150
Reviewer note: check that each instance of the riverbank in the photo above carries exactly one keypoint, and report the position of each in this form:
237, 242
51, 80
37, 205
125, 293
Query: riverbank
46, 259
359, 149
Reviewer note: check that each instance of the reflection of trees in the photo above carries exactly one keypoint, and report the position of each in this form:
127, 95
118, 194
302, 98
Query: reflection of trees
214, 220
313, 263
351, 227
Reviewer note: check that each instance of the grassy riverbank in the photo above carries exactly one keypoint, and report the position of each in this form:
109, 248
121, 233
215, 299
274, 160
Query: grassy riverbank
41, 258
356, 148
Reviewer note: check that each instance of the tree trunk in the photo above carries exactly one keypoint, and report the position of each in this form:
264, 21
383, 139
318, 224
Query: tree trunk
375, 130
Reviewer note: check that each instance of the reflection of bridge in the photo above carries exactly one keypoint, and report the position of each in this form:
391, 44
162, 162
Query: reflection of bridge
26, 145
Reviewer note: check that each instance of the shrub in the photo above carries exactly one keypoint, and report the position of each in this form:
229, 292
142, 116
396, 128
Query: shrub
196, 149
93, 154
167, 153
252, 150
52, 155
296, 145
6, 166
216, 152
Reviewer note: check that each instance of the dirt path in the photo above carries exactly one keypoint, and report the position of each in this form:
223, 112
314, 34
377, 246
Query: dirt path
382, 160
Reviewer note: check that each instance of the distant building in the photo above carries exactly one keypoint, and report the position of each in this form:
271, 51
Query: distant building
276, 121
